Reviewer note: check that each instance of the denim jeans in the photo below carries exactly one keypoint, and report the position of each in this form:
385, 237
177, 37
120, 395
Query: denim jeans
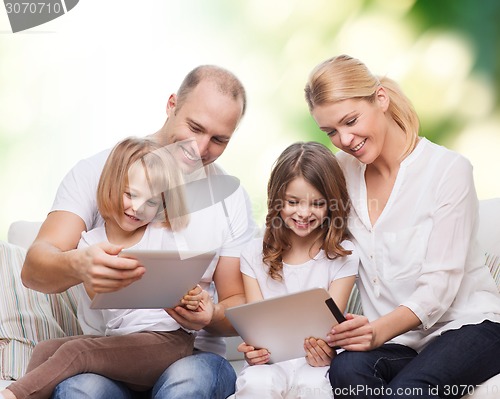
449, 367
201, 375
92, 386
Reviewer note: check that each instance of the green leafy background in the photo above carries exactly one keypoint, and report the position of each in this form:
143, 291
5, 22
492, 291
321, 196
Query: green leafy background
104, 71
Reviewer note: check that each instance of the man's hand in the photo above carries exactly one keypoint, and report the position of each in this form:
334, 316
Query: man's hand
102, 271
254, 356
197, 319
53, 264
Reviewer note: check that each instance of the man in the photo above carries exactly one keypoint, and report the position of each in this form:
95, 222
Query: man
201, 119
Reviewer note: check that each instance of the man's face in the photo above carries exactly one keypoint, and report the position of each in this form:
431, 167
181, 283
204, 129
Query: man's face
203, 125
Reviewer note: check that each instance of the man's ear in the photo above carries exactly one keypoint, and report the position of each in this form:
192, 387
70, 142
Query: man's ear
382, 98
171, 104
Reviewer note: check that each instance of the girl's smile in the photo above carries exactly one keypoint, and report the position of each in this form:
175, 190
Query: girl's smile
304, 207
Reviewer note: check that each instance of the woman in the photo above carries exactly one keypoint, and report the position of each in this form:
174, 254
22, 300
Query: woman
432, 311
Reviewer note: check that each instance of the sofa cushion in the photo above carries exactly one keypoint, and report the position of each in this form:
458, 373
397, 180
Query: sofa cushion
493, 263
27, 316
23, 233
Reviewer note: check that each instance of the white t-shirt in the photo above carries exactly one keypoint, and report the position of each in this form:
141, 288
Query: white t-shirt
318, 272
226, 226
124, 321
422, 251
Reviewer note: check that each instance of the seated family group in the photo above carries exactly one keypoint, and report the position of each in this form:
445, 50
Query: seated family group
391, 211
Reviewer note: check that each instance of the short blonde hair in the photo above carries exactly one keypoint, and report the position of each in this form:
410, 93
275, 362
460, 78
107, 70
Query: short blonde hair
226, 82
163, 174
344, 77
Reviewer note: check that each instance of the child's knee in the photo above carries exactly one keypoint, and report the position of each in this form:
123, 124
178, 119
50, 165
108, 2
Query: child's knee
312, 382
254, 380
42, 351
47, 347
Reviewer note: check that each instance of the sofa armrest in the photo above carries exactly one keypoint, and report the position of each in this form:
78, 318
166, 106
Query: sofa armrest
22, 233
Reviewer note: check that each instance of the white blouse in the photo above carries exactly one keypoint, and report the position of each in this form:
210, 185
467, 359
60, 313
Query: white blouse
422, 252
318, 272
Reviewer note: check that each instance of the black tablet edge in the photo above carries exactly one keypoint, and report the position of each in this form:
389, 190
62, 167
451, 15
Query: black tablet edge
335, 310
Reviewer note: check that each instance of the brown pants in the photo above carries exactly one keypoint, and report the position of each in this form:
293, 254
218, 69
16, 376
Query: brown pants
136, 359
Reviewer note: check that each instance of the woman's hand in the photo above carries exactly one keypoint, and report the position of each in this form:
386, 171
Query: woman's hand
254, 356
354, 334
318, 353
193, 298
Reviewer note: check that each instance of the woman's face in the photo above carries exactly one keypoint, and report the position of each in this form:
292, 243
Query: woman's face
354, 126
304, 207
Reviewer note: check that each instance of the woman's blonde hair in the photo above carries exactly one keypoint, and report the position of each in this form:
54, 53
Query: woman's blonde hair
163, 175
343, 77
317, 165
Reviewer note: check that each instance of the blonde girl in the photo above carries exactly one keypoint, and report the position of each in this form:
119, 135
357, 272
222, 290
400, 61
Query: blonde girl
140, 197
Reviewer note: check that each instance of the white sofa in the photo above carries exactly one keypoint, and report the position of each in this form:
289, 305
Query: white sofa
39, 316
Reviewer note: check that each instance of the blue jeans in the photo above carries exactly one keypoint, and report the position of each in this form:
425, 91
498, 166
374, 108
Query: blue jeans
203, 375
449, 367
93, 386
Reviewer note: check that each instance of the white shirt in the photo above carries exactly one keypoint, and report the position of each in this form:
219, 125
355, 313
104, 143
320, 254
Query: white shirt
226, 226
318, 272
422, 252
124, 321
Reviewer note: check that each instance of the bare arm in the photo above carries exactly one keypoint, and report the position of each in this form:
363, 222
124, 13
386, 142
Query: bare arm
340, 290
53, 264
230, 291
252, 289
48, 266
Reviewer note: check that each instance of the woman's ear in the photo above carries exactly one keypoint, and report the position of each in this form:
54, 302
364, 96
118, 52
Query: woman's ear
382, 99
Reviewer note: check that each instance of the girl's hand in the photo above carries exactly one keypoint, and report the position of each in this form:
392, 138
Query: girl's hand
193, 298
197, 319
254, 356
318, 353
354, 334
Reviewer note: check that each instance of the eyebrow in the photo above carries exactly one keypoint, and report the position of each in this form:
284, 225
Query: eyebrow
340, 122
291, 196
196, 124
346, 116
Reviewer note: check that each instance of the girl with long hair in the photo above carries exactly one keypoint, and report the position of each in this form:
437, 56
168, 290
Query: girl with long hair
305, 245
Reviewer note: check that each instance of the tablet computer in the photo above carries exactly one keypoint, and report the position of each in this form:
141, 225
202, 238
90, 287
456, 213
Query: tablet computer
166, 280
282, 323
